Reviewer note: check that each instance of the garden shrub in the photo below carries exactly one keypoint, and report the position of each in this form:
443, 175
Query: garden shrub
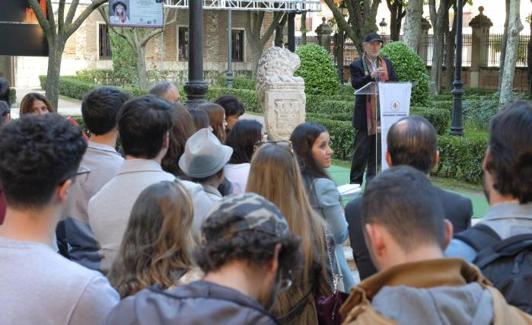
341, 133
247, 97
461, 157
439, 118
244, 83
124, 61
409, 67
318, 71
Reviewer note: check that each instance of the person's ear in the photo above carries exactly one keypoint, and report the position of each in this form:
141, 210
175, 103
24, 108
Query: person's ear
375, 240
436, 159
389, 158
448, 235
166, 140
62, 190
274, 263
485, 161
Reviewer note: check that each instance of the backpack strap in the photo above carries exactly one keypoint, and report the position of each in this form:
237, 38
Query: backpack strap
479, 237
508, 247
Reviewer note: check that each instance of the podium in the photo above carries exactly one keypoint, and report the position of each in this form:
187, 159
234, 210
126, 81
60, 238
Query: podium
393, 103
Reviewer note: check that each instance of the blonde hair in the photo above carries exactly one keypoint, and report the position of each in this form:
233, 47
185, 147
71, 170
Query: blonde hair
157, 243
275, 175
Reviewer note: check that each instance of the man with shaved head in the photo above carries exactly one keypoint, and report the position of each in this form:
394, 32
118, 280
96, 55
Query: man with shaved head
412, 141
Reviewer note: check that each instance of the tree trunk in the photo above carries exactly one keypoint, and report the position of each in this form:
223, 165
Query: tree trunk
438, 23
450, 52
412, 34
514, 28
529, 60
503, 43
141, 67
304, 28
55, 53
396, 18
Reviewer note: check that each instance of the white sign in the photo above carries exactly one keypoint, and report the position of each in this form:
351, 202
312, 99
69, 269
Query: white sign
136, 13
394, 102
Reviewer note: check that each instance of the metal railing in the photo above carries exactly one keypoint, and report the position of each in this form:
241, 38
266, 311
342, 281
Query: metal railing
252, 5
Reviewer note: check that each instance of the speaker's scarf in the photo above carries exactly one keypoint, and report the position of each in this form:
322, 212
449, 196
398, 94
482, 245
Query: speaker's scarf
371, 100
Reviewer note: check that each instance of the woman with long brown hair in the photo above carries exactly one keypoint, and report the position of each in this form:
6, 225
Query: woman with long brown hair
35, 103
182, 128
217, 121
275, 175
156, 248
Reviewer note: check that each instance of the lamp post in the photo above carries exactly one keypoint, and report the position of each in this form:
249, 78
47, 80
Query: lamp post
229, 74
195, 87
291, 31
457, 124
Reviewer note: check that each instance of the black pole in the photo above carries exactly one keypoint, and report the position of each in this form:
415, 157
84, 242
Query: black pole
291, 31
195, 87
457, 124
229, 74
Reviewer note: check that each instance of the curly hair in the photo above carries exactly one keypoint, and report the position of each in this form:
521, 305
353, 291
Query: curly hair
156, 244
253, 246
510, 151
37, 153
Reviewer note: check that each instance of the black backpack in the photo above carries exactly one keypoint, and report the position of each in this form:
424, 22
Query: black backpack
506, 263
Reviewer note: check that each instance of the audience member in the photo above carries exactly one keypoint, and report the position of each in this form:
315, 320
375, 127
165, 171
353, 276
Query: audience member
200, 118
5, 112
242, 138
297, 305
167, 91
182, 129
203, 162
143, 125
216, 119
100, 163
311, 144
248, 256
5, 91
501, 243
406, 233
412, 141
157, 243
38, 158
35, 103
233, 110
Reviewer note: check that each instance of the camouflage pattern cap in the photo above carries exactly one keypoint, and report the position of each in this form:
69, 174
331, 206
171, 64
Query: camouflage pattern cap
251, 212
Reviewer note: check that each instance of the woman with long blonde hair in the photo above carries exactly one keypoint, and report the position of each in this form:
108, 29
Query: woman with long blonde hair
275, 175
156, 248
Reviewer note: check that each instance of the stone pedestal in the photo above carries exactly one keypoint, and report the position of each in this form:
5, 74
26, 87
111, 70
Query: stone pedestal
423, 45
479, 47
282, 96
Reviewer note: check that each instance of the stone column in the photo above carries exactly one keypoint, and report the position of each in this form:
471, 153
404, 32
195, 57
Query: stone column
324, 32
282, 96
479, 47
423, 44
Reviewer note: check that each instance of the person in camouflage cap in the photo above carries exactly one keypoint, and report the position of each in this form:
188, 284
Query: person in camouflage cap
248, 255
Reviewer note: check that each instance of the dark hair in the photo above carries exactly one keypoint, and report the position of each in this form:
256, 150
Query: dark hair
403, 200
253, 246
26, 104
510, 149
303, 138
142, 124
160, 88
231, 105
216, 119
4, 111
5, 91
412, 141
200, 118
100, 107
119, 3
37, 153
242, 138
182, 129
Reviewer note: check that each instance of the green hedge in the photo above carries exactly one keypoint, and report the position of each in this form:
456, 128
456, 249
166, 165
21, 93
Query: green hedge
461, 157
247, 97
439, 118
316, 105
341, 133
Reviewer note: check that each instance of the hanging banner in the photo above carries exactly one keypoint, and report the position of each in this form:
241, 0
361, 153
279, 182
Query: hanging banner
136, 13
394, 102
20, 31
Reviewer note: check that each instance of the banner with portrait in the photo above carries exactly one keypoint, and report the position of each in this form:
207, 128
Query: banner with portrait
394, 102
136, 13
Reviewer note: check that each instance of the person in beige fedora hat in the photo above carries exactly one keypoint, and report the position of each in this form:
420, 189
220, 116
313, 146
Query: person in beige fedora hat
203, 162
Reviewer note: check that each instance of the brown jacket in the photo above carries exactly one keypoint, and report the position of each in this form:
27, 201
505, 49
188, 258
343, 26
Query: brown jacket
358, 308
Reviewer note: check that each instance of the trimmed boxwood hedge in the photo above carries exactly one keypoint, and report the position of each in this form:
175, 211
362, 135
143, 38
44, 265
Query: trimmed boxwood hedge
461, 157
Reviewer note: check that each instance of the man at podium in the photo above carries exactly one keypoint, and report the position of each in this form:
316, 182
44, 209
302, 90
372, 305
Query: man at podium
371, 67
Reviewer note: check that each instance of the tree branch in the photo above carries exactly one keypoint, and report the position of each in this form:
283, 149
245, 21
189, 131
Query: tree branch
269, 32
84, 14
40, 16
71, 12
340, 20
61, 16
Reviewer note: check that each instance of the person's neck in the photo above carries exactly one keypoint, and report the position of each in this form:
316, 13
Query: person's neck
106, 139
497, 198
422, 253
36, 225
156, 159
238, 276
370, 57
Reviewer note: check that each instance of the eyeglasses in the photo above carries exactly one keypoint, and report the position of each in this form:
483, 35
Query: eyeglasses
282, 143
